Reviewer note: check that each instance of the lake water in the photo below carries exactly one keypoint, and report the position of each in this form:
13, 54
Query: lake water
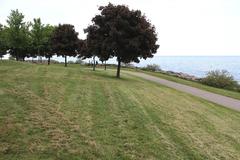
196, 65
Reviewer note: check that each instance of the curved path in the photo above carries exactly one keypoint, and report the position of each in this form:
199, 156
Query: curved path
216, 98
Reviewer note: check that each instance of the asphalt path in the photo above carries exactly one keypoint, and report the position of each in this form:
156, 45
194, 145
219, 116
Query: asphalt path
216, 98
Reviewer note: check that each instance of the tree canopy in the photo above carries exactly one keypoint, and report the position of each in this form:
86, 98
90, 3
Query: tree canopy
65, 41
18, 37
123, 33
48, 31
3, 47
116, 32
37, 36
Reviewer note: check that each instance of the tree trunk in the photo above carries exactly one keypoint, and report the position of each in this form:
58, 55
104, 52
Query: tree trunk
94, 64
23, 59
39, 57
32, 59
17, 57
48, 60
65, 61
118, 68
105, 66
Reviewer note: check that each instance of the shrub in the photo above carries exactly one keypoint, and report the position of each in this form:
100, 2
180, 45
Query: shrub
152, 67
127, 65
220, 79
11, 58
71, 62
79, 61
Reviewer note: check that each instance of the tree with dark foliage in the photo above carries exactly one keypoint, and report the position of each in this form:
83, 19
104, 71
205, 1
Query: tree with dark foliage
103, 58
93, 43
82, 50
123, 33
65, 41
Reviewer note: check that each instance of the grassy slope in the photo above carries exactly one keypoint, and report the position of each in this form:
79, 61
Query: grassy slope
52, 112
223, 92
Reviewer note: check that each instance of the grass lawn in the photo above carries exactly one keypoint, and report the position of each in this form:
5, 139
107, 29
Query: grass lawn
53, 112
223, 92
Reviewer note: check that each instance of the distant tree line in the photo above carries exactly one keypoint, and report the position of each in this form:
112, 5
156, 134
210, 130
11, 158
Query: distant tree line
116, 32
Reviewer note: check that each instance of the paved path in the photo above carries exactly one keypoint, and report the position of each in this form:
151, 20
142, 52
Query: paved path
216, 98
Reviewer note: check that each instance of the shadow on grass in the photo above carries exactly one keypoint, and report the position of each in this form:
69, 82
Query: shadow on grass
108, 75
99, 72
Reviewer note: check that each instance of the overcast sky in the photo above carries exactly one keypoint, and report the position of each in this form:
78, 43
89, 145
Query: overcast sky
185, 27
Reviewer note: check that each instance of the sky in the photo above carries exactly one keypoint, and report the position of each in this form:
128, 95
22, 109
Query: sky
184, 27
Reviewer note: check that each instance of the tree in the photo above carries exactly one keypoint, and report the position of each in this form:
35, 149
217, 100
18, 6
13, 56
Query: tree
26, 49
103, 57
17, 37
37, 37
47, 46
93, 43
3, 47
123, 33
65, 41
82, 50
